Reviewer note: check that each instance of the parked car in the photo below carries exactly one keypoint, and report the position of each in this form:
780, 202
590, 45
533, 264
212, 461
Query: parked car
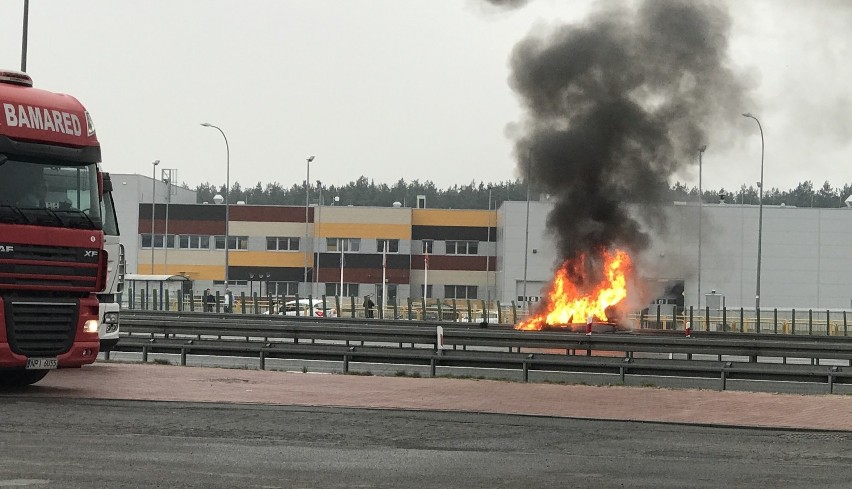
303, 308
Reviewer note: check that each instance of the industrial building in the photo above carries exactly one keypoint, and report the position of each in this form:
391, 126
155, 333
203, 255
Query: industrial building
505, 254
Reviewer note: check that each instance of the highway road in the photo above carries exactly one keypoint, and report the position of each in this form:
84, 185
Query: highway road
83, 443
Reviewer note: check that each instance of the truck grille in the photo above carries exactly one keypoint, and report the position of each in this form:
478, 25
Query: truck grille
40, 328
37, 267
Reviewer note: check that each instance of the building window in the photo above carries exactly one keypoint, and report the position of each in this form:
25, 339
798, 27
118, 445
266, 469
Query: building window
460, 291
343, 244
391, 292
427, 245
428, 291
393, 245
276, 243
462, 247
234, 242
193, 242
282, 288
158, 240
349, 290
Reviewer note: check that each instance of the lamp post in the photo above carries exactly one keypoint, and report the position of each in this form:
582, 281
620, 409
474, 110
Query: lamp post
24, 36
701, 151
153, 208
527, 232
227, 191
307, 204
168, 181
759, 221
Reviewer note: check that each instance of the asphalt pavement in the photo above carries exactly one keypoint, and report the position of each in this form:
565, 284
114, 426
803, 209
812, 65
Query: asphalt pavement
122, 425
84, 443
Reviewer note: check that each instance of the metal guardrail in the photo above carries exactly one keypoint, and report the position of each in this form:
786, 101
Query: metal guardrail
808, 321
390, 341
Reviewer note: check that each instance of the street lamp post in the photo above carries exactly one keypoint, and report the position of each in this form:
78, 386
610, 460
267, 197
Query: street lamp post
527, 232
153, 208
168, 181
759, 221
307, 204
24, 35
227, 191
701, 151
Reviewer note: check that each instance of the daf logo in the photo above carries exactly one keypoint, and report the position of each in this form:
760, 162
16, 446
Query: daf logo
91, 253
6, 248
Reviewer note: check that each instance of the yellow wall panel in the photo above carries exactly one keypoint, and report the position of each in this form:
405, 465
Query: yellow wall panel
177, 258
195, 257
267, 258
453, 217
193, 272
205, 261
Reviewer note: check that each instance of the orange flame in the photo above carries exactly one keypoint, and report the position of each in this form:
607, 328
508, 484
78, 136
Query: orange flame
566, 303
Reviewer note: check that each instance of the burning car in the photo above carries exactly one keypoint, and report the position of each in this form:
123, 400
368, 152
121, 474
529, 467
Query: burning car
579, 299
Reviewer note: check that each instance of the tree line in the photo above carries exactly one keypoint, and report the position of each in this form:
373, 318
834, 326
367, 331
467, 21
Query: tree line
366, 192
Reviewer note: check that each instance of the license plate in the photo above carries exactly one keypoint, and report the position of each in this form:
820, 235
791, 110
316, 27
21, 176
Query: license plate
42, 363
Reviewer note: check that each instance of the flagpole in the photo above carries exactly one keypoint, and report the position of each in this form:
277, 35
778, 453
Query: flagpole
487, 259
527, 235
385, 276
340, 244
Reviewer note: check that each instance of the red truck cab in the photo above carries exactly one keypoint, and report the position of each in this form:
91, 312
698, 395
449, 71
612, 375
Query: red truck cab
52, 259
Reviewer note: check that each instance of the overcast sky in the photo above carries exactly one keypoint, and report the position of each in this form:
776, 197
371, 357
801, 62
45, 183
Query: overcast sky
390, 89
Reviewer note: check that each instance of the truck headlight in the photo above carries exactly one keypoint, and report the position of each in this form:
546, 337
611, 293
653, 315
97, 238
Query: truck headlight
91, 326
111, 318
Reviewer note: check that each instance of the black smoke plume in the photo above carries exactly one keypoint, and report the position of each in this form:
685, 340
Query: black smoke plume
614, 106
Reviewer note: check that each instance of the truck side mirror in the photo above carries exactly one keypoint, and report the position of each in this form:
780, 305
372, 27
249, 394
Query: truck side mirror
107, 183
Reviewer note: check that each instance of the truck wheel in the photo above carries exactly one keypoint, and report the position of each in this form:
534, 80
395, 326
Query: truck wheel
20, 378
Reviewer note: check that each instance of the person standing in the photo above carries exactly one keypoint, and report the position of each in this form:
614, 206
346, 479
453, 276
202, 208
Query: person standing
228, 301
368, 306
205, 300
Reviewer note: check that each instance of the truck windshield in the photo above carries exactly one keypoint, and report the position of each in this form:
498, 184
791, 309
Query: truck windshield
49, 194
